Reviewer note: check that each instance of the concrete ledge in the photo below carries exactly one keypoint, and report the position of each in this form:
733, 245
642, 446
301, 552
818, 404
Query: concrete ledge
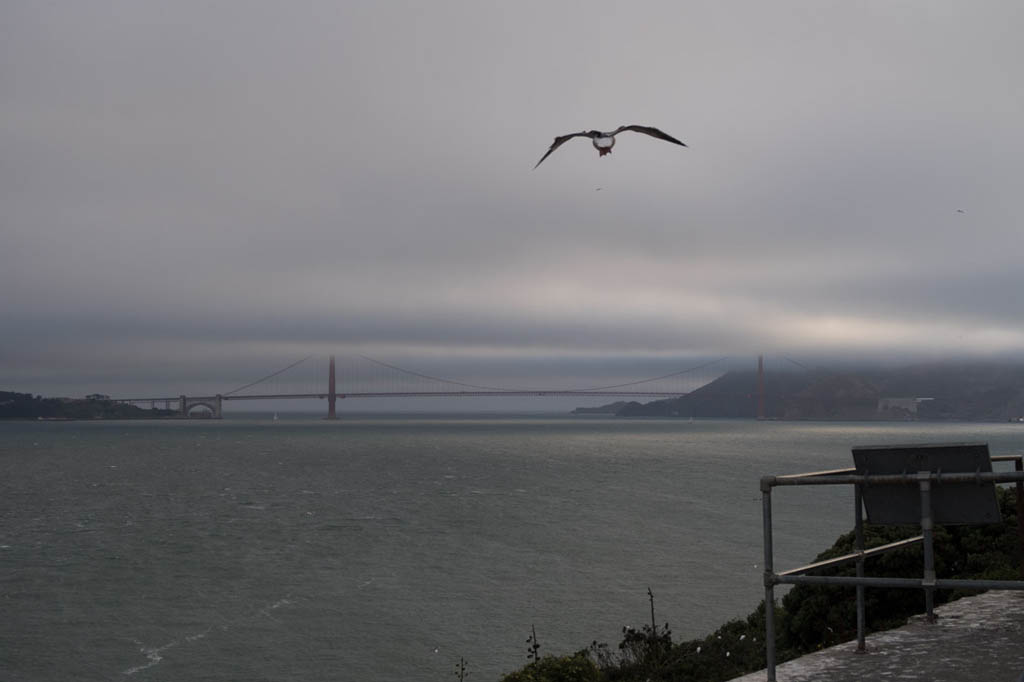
975, 639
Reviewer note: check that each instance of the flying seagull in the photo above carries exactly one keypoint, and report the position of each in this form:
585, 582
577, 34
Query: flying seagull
603, 142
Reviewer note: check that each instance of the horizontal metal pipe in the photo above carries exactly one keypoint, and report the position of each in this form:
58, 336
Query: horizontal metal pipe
916, 583
899, 479
962, 584
850, 581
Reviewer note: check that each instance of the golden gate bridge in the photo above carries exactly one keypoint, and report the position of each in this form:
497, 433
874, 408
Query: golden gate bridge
365, 377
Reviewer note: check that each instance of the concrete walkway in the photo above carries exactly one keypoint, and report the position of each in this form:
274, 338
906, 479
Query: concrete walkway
976, 639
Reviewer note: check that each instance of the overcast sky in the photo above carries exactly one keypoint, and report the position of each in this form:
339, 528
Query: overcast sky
199, 191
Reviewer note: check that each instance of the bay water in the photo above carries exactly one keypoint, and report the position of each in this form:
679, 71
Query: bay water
389, 547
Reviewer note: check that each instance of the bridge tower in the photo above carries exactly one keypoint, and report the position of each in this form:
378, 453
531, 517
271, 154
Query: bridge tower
760, 386
332, 394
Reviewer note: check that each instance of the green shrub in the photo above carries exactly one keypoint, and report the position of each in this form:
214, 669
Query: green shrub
819, 616
575, 668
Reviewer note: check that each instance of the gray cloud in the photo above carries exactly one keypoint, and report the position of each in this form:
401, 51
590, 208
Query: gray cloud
179, 180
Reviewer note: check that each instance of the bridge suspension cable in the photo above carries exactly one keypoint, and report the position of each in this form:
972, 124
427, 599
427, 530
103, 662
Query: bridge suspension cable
518, 390
427, 376
798, 364
664, 376
478, 387
269, 376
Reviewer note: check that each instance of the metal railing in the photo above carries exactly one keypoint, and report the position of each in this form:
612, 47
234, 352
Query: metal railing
928, 582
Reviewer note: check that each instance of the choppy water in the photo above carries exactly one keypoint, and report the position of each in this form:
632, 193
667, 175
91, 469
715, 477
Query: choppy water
384, 548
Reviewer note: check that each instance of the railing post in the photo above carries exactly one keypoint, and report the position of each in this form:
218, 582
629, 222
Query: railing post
769, 579
924, 480
1018, 465
858, 496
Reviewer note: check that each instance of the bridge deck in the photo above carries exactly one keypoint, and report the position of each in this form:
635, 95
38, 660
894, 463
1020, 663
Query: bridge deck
417, 394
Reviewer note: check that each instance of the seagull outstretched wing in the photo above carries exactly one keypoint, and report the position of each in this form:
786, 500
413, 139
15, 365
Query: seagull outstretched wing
648, 130
559, 141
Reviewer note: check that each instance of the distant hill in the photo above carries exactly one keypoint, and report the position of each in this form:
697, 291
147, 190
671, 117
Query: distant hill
957, 392
611, 408
27, 406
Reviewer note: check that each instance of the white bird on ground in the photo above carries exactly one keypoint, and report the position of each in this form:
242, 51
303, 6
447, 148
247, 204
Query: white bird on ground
603, 142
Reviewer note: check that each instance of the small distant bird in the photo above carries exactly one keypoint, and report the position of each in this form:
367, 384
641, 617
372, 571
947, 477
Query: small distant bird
960, 210
603, 142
